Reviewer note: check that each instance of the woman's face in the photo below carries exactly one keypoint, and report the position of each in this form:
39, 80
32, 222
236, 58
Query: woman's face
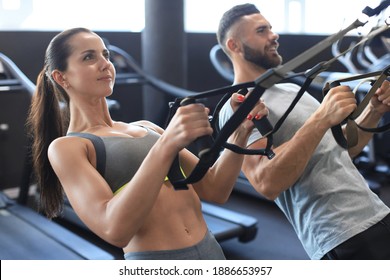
89, 71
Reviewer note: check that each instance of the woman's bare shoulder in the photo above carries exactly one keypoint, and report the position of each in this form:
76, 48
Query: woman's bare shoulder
67, 140
68, 145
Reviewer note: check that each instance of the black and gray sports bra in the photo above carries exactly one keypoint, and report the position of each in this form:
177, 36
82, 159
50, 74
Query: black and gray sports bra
118, 158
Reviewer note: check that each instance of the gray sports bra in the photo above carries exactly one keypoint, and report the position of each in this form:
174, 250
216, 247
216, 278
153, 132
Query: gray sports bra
118, 158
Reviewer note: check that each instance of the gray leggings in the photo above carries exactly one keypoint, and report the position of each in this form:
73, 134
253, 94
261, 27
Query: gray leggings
207, 249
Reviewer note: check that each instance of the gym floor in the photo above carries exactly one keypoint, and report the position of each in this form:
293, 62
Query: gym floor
275, 240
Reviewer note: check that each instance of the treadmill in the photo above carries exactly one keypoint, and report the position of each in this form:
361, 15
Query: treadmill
27, 235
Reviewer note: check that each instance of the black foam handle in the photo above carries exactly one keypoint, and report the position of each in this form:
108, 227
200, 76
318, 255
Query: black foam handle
263, 124
337, 131
328, 86
203, 143
334, 84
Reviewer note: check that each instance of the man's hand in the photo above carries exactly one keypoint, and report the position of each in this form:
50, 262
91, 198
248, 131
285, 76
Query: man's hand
381, 99
337, 105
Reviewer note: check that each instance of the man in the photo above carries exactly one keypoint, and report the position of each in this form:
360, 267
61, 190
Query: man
311, 178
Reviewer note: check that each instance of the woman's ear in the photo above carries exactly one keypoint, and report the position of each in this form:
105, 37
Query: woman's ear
59, 78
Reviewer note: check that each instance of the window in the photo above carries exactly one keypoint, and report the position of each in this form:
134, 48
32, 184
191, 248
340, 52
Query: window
286, 16
204, 15
49, 15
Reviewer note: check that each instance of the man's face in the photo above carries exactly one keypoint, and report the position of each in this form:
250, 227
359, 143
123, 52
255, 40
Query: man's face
259, 43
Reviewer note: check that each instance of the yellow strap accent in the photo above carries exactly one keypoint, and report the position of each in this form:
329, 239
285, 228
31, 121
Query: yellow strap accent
118, 190
166, 179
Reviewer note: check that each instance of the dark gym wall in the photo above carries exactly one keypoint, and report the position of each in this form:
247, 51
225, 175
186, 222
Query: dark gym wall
27, 49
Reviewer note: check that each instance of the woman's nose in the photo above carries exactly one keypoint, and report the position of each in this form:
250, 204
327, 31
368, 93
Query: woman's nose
104, 63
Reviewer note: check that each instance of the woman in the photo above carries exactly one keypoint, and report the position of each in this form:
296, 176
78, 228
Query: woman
129, 203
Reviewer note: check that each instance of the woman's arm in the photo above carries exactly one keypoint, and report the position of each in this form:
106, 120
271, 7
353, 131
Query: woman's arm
114, 218
117, 218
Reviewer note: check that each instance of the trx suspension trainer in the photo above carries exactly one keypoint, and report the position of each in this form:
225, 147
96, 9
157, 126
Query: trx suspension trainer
209, 147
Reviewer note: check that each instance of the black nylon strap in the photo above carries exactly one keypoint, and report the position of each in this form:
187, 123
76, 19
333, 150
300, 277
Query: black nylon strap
204, 164
208, 159
303, 89
376, 11
351, 126
175, 174
263, 82
100, 149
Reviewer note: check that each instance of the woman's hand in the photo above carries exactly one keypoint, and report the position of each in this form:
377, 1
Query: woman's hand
189, 122
259, 111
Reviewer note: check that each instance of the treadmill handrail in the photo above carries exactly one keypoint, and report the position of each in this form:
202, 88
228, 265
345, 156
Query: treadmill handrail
16, 73
229, 215
149, 79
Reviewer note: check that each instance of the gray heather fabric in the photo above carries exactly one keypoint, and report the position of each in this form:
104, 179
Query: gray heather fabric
207, 249
124, 155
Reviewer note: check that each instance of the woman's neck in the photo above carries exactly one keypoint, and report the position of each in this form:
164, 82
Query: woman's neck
86, 117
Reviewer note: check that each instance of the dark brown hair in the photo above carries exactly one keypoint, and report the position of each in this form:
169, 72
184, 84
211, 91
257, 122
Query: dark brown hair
232, 16
48, 120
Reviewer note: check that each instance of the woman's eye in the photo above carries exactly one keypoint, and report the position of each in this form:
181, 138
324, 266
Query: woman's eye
88, 57
107, 55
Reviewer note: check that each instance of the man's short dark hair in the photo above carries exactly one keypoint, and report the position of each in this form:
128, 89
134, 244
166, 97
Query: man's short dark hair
230, 17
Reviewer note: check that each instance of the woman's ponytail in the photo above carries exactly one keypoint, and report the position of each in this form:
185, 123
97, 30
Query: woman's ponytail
46, 124
48, 119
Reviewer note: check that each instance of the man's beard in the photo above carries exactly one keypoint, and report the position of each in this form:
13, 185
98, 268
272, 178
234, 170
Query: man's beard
263, 61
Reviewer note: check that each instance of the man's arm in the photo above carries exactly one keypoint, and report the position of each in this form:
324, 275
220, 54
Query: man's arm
370, 117
271, 177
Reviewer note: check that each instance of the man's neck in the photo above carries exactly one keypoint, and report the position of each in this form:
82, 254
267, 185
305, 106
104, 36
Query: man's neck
247, 74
